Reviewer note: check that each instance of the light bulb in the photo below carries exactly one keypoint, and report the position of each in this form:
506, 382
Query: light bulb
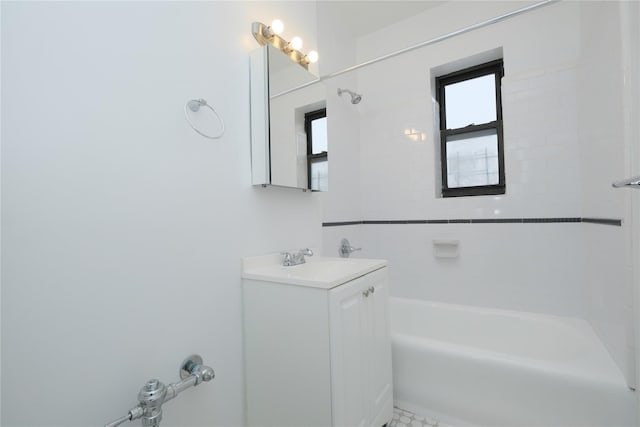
312, 56
277, 26
296, 43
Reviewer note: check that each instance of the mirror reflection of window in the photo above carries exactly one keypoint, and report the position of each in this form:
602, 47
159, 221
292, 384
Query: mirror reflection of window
319, 135
315, 125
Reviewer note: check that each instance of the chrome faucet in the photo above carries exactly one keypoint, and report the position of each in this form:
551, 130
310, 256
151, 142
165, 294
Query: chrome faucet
297, 258
346, 248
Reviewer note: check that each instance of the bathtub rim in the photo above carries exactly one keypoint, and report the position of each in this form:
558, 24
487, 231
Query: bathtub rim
611, 375
529, 315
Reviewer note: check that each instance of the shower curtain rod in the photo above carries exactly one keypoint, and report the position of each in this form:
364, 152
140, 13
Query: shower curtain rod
429, 42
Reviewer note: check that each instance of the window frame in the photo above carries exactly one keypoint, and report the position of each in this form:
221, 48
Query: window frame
495, 67
311, 158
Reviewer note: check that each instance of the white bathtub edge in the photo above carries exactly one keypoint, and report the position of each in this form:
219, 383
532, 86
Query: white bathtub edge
443, 419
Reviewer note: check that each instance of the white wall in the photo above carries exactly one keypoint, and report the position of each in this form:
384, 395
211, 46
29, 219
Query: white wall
0, 220
122, 229
631, 22
343, 125
538, 108
399, 174
634, 143
604, 158
500, 265
630, 29
560, 161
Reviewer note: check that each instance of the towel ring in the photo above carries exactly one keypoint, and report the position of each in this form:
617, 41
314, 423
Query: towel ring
194, 105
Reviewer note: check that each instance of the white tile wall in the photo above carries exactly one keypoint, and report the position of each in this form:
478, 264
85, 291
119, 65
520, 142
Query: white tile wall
331, 237
511, 266
562, 101
343, 199
631, 36
539, 112
604, 156
608, 282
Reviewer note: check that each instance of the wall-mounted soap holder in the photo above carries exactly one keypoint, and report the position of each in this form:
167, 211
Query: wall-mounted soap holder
446, 248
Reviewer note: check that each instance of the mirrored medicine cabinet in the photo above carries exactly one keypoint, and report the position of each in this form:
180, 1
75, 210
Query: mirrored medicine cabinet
288, 129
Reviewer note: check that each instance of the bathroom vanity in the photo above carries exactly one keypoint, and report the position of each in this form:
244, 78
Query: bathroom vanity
317, 342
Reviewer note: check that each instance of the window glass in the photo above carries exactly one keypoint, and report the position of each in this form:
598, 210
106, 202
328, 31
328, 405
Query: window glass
471, 102
471, 139
472, 159
319, 135
320, 175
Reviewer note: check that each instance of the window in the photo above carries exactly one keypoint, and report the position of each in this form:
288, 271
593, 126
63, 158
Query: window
471, 143
315, 126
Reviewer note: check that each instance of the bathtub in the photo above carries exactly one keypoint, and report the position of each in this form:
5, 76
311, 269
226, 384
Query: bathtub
475, 366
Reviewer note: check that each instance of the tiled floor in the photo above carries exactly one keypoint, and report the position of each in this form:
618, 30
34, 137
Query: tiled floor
403, 418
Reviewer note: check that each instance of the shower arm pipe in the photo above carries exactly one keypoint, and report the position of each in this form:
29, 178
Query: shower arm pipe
429, 42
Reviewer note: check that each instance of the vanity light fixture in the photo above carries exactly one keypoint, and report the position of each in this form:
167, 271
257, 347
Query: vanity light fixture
265, 34
277, 26
296, 43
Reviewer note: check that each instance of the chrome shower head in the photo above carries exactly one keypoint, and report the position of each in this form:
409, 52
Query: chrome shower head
355, 97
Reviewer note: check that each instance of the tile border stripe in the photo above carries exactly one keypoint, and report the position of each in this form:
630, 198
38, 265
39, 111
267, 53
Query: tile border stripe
601, 221
338, 224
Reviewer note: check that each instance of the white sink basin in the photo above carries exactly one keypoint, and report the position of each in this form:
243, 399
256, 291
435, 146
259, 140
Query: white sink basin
317, 272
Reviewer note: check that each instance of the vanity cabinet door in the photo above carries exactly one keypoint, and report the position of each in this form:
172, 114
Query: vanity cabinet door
380, 382
361, 352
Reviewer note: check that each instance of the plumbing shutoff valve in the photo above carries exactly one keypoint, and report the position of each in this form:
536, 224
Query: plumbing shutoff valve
154, 393
346, 249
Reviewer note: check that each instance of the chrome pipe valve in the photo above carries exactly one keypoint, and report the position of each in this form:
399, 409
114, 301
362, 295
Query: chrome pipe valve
151, 398
346, 249
155, 393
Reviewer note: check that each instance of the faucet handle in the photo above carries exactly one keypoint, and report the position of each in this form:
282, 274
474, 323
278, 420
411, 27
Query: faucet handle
346, 248
286, 261
306, 251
